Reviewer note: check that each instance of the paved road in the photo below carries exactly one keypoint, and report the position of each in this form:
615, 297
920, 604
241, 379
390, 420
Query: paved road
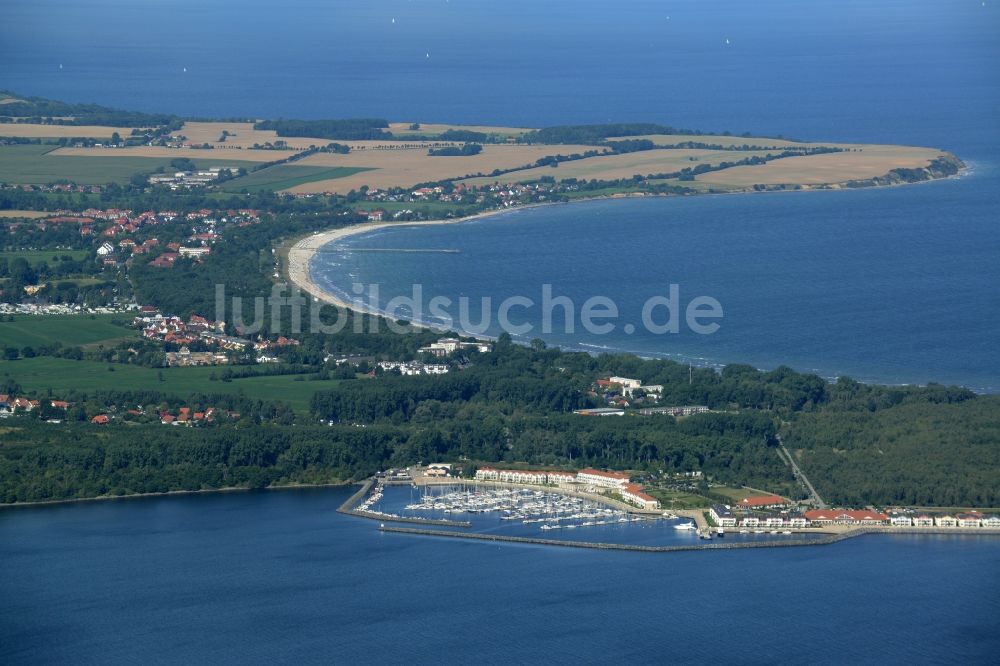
817, 500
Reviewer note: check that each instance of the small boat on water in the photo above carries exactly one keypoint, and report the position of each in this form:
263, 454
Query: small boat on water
685, 526
721, 532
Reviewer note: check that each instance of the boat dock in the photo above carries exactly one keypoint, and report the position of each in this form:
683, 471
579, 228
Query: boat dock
351, 507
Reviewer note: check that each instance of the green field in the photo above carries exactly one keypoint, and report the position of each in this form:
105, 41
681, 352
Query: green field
62, 375
35, 257
70, 330
284, 176
31, 164
670, 499
736, 494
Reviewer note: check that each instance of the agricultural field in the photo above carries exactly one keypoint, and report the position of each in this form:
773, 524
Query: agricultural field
726, 140
33, 131
69, 330
40, 164
33, 214
204, 157
63, 375
864, 162
406, 167
614, 167
242, 135
285, 176
433, 129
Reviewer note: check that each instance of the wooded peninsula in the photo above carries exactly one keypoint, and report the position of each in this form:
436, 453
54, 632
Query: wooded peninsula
116, 226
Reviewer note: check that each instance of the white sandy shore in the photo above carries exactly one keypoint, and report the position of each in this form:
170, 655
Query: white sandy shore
301, 253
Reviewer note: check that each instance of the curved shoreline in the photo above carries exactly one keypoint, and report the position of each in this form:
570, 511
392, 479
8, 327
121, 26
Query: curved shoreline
301, 252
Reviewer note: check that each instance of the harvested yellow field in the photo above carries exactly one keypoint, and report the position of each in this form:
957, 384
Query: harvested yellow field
406, 168
32, 131
613, 167
24, 213
245, 136
864, 162
219, 153
438, 128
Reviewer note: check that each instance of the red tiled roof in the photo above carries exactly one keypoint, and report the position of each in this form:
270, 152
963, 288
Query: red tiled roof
608, 475
768, 500
636, 490
844, 514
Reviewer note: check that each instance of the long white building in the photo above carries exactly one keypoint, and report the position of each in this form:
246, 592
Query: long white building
599, 479
592, 478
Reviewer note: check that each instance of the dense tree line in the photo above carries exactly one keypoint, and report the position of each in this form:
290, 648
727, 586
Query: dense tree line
456, 151
56, 112
41, 461
352, 128
595, 134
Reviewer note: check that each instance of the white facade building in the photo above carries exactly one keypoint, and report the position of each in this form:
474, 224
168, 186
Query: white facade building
599, 479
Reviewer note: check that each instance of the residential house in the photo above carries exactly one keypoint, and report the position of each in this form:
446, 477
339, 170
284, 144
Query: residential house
722, 516
762, 502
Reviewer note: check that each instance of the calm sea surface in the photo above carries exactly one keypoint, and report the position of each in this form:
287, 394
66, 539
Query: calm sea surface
279, 576
897, 285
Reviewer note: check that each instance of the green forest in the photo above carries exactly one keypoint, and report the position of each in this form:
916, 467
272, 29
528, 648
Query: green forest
305, 419
860, 444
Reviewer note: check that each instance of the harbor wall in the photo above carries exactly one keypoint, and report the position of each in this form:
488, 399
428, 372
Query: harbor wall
348, 509
822, 541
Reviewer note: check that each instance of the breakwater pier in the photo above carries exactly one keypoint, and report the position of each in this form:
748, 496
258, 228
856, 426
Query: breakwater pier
825, 540
351, 507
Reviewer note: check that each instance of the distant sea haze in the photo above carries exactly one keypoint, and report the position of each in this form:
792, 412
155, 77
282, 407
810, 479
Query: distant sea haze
896, 285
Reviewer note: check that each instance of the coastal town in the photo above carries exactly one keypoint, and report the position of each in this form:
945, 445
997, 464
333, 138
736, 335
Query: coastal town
88, 261
564, 502
753, 512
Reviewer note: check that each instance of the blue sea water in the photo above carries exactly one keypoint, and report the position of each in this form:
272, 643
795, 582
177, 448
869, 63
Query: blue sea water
658, 531
279, 576
840, 283
890, 285
896, 286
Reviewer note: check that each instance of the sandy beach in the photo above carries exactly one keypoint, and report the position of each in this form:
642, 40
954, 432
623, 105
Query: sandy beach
301, 253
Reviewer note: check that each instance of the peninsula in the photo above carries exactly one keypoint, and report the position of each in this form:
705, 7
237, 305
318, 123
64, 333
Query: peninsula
120, 376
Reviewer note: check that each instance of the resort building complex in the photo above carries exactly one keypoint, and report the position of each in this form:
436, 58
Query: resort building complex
592, 480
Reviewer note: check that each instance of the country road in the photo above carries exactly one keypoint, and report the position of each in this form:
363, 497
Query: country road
817, 500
